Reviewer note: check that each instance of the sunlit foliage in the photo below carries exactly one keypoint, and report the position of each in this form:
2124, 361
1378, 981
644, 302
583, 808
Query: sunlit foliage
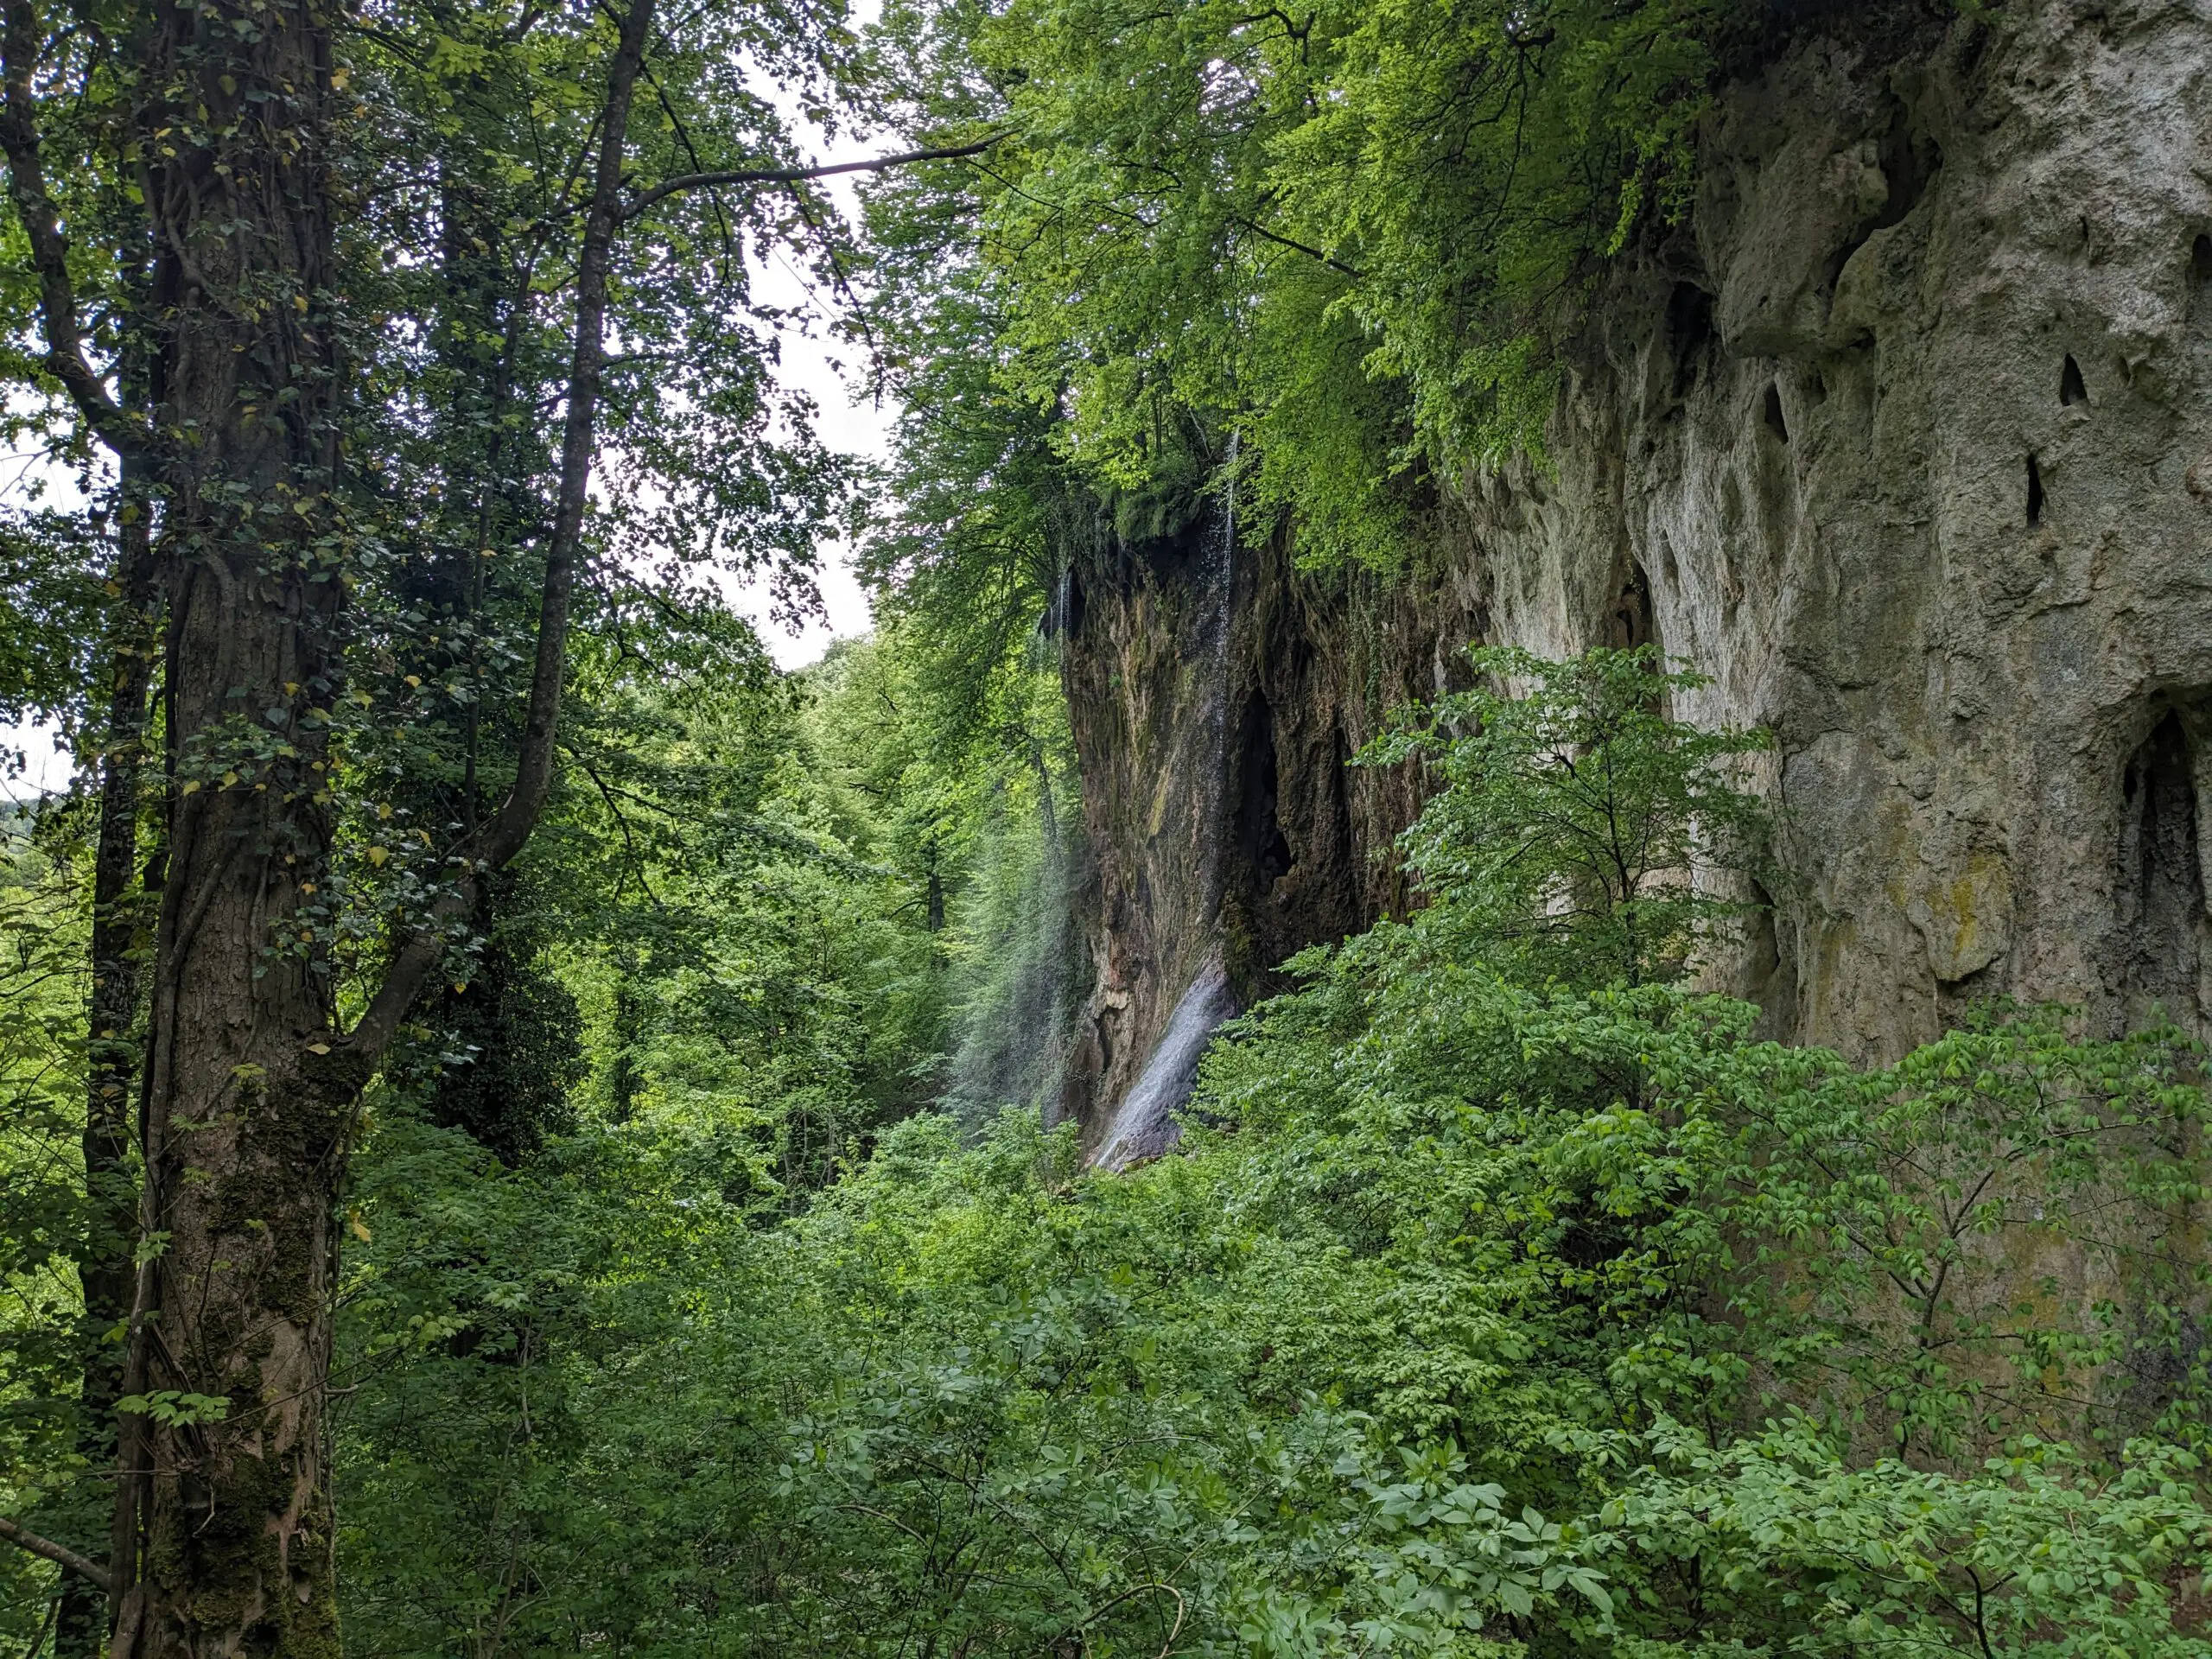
1361, 235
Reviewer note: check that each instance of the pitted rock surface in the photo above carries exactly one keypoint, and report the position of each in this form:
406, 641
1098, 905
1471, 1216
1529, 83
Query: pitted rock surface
1905, 439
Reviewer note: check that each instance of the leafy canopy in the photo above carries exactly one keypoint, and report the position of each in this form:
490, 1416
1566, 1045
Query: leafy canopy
1357, 234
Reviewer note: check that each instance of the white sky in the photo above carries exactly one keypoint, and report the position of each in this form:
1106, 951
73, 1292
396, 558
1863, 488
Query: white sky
858, 429
25, 478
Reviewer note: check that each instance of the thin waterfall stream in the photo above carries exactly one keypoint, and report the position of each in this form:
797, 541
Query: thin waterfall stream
1143, 1123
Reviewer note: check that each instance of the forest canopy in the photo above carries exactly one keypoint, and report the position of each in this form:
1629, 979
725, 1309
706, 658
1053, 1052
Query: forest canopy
528, 1128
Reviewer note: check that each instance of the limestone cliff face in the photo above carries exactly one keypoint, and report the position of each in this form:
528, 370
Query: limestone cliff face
1905, 439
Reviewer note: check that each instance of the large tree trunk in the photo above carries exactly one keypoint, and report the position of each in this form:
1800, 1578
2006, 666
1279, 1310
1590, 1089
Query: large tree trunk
222, 1541
224, 1538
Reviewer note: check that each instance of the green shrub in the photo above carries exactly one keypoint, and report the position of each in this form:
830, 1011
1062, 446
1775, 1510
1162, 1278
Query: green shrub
1506, 1297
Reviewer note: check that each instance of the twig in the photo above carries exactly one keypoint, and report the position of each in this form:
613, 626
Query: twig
1182, 1609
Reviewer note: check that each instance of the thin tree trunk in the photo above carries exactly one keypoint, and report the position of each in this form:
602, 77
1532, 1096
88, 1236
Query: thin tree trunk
104, 1271
491, 846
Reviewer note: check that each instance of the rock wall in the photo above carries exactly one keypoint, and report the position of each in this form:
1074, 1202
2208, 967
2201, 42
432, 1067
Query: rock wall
1905, 439
1216, 697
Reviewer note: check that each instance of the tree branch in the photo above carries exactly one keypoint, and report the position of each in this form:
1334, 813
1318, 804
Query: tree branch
798, 174
60, 1554
42, 220
503, 837
1282, 241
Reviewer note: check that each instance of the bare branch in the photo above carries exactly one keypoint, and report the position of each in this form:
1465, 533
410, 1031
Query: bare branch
798, 175
1328, 260
60, 1554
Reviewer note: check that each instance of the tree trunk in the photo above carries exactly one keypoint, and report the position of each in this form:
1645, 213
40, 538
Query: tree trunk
111, 1184
223, 1543
222, 1538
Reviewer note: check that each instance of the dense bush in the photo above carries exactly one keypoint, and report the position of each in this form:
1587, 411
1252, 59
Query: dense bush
1484, 1308
710, 1282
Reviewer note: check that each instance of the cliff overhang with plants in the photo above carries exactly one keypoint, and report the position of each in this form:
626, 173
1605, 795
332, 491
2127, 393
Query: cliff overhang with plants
1898, 431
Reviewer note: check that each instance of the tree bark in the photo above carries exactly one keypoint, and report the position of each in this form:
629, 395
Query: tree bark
104, 1271
60, 1554
223, 1536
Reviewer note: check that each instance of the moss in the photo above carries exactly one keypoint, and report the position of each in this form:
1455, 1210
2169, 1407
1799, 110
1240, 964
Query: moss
223, 1578
1240, 950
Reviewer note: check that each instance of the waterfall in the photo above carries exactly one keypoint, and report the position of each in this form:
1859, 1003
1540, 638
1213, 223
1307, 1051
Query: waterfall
1220, 586
1016, 996
1144, 1124
1020, 974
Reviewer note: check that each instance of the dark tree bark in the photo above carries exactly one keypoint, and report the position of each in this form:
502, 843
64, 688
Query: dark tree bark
104, 1272
223, 1540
